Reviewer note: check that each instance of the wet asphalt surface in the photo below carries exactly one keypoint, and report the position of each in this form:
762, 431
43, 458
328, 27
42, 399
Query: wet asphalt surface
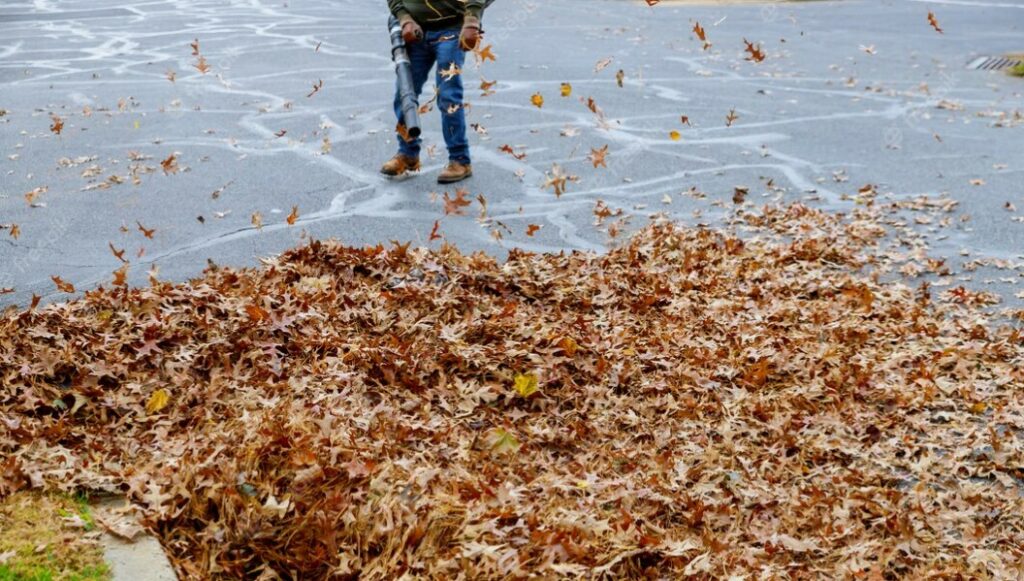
849, 93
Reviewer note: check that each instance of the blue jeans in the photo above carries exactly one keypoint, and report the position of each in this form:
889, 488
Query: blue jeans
440, 47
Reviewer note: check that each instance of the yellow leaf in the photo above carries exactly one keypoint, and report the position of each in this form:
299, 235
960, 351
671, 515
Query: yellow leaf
502, 442
566, 89
979, 408
158, 401
526, 385
675, 135
568, 344
538, 100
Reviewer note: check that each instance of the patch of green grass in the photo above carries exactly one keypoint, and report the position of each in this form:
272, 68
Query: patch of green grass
45, 539
1018, 70
81, 510
38, 573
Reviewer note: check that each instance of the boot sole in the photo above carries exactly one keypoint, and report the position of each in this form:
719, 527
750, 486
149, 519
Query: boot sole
400, 176
442, 180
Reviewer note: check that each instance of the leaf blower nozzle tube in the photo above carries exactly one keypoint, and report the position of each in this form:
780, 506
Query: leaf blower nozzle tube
403, 69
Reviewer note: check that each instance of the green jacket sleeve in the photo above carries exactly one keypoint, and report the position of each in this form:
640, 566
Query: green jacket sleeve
398, 8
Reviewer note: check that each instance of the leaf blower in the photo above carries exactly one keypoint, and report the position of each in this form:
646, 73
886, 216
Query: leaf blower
403, 68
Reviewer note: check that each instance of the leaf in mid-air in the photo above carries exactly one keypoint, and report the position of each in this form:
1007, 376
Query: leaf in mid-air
170, 165
556, 179
148, 233
201, 65
316, 88
731, 117
121, 276
451, 72
699, 31
485, 54
62, 285
755, 52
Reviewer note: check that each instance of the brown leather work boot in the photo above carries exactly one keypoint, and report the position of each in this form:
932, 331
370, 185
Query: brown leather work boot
454, 172
399, 166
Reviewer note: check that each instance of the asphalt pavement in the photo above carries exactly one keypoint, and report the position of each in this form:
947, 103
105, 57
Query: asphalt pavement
281, 137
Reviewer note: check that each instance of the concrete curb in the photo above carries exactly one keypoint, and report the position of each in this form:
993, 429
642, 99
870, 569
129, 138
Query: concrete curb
131, 553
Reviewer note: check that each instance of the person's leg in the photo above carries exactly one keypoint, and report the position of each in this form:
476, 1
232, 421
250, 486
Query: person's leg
449, 100
421, 57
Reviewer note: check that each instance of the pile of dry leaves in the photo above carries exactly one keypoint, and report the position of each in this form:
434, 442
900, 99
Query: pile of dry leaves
689, 403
